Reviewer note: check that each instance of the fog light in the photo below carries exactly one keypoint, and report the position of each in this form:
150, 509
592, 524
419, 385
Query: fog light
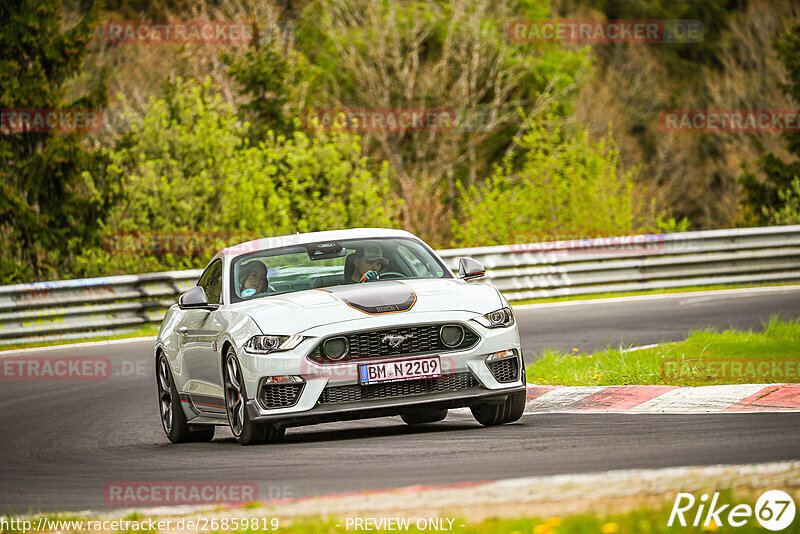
336, 348
281, 379
502, 355
451, 335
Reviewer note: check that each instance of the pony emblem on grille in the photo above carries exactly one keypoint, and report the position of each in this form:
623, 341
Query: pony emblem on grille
395, 340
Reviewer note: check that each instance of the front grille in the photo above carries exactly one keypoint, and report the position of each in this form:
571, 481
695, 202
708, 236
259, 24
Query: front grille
505, 370
423, 339
279, 395
358, 392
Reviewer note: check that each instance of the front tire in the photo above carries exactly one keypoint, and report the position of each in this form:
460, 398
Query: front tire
502, 413
173, 420
246, 431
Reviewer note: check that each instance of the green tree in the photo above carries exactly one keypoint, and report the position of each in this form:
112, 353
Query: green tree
264, 75
765, 199
188, 167
556, 185
789, 210
436, 55
49, 210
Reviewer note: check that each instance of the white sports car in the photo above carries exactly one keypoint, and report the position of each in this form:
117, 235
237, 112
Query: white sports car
329, 326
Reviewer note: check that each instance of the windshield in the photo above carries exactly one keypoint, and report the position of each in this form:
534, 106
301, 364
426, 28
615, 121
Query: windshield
331, 263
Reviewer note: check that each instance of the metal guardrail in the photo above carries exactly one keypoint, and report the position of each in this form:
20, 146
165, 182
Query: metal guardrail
119, 304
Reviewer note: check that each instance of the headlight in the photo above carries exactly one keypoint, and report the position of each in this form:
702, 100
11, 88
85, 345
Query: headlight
267, 344
496, 319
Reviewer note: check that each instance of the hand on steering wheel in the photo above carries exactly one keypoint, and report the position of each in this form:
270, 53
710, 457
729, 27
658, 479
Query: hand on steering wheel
369, 276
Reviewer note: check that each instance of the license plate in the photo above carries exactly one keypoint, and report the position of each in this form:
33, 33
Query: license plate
375, 373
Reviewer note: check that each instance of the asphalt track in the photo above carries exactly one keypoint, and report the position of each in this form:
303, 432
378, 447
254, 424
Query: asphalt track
62, 442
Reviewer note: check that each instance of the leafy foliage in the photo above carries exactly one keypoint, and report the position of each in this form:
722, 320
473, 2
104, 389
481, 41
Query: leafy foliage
558, 185
436, 55
188, 167
264, 75
48, 209
232, 157
776, 198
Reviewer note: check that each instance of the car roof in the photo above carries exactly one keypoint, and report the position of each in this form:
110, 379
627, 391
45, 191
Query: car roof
267, 243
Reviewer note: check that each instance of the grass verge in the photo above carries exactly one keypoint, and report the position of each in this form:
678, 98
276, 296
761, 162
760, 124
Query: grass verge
706, 357
689, 289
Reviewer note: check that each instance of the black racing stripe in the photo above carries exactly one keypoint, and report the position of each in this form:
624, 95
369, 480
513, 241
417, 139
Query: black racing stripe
376, 298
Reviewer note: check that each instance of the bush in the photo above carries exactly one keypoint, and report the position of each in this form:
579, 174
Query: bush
188, 168
789, 210
558, 185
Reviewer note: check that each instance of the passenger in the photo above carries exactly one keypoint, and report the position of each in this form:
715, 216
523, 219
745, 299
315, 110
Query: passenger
253, 278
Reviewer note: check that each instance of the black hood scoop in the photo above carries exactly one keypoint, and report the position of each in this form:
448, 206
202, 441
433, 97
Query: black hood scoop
376, 298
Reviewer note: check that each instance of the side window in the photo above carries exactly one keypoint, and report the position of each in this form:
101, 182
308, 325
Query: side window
211, 282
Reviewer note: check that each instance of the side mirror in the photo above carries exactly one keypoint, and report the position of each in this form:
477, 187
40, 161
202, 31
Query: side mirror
195, 298
469, 269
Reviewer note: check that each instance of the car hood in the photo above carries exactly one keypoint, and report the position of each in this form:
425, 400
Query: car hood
295, 312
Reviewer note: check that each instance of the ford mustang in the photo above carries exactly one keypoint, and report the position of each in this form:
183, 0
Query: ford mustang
330, 326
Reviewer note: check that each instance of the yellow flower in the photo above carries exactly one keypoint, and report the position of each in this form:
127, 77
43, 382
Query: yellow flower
711, 526
574, 349
541, 529
609, 528
554, 522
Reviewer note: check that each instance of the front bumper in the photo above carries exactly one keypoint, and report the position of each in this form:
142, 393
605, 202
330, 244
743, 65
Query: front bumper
314, 401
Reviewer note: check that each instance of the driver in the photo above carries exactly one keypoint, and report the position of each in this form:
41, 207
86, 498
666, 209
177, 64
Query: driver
367, 264
253, 279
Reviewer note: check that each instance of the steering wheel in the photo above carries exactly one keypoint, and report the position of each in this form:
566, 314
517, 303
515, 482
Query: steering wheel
392, 274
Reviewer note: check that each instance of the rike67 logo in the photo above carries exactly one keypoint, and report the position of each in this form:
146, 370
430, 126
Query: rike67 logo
774, 510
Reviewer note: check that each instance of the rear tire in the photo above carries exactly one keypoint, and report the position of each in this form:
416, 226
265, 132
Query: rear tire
500, 414
173, 420
246, 431
427, 416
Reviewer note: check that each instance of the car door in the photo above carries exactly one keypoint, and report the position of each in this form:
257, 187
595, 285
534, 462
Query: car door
199, 331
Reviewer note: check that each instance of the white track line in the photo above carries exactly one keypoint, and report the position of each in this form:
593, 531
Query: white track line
700, 399
640, 347
683, 400
561, 397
